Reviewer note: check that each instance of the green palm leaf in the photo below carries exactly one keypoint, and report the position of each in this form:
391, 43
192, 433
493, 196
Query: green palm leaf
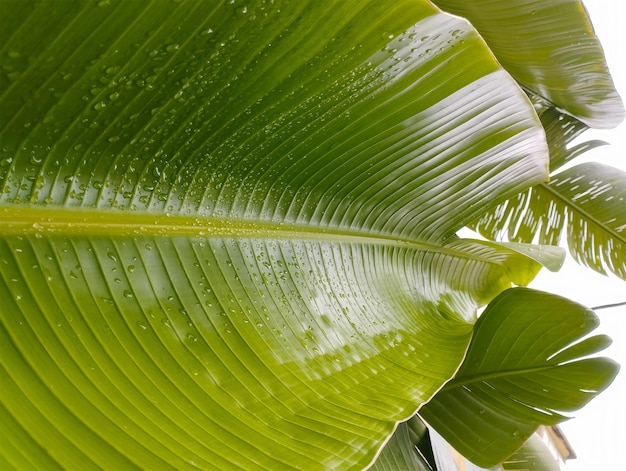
525, 367
585, 203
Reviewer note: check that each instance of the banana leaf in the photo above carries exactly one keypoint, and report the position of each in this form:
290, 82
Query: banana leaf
400, 453
551, 50
228, 229
427, 450
527, 365
534, 455
583, 205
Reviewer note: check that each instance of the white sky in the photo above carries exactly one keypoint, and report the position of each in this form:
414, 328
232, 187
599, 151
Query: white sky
598, 433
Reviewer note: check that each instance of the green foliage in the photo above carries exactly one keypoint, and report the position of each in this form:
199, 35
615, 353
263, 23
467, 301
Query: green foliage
227, 231
526, 365
534, 455
584, 203
400, 453
550, 49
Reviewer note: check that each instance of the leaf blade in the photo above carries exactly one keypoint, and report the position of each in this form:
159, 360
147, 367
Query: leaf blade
583, 204
551, 49
155, 343
513, 381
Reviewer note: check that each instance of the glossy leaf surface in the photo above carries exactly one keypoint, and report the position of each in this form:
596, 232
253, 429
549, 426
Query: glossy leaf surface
551, 49
525, 367
228, 230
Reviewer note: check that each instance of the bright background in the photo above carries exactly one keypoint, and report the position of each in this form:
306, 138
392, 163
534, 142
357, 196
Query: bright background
598, 433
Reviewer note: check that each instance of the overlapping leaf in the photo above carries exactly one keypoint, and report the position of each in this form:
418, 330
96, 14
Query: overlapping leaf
534, 455
400, 453
584, 204
526, 365
406, 450
549, 47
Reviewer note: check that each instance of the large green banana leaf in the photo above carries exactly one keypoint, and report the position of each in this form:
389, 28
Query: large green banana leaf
526, 366
228, 228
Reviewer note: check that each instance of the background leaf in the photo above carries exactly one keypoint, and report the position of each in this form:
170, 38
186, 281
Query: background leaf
550, 48
400, 454
534, 455
414, 447
525, 366
586, 203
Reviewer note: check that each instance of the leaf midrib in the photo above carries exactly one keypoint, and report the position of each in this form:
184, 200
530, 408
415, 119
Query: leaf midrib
24, 220
461, 381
